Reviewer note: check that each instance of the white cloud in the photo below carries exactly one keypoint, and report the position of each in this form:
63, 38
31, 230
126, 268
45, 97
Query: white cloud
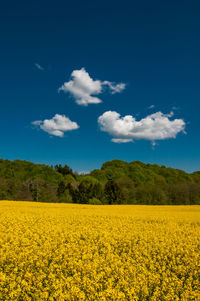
56, 126
157, 126
83, 172
115, 88
83, 87
39, 67
118, 140
151, 107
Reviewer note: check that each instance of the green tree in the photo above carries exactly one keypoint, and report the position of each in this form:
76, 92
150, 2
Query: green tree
64, 170
113, 193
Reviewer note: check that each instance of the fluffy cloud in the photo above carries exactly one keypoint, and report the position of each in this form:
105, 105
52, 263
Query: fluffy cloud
56, 126
157, 126
83, 87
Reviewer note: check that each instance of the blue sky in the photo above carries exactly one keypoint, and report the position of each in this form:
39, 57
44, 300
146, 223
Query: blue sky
152, 47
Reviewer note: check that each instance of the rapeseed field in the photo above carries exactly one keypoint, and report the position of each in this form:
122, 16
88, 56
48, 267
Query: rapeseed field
85, 252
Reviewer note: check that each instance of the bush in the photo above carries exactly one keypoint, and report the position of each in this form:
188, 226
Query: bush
66, 197
94, 201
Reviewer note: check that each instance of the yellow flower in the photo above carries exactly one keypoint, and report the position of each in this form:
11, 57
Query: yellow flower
84, 252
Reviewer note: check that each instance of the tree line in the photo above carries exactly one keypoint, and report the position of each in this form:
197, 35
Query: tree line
117, 182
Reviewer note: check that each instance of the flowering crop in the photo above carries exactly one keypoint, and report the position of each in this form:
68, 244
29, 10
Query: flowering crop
85, 252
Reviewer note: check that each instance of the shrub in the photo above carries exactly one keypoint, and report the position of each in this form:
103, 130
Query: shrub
94, 201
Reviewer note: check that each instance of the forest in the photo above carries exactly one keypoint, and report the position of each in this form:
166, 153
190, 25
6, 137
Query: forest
116, 182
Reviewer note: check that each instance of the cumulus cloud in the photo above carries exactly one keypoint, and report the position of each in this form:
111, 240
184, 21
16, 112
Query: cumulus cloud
83, 87
56, 126
157, 126
39, 67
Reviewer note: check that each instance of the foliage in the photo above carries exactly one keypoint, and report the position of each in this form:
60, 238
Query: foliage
65, 197
88, 188
113, 193
149, 183
94, 201
64, 170
117, 182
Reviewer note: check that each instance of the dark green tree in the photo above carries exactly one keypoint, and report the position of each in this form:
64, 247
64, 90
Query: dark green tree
113, 193
64, 170
61, 188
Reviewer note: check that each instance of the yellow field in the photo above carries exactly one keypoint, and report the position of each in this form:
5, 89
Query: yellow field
84, 252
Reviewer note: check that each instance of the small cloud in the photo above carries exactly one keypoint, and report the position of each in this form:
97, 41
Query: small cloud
157, 126
151, 107
115, 88
83, 172
37, 122
56, 126
119, 140
83, 88
39, 67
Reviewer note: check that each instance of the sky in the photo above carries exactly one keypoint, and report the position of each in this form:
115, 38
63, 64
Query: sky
84, 82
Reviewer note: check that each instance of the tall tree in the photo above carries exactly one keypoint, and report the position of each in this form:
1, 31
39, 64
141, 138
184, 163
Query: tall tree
113, 193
